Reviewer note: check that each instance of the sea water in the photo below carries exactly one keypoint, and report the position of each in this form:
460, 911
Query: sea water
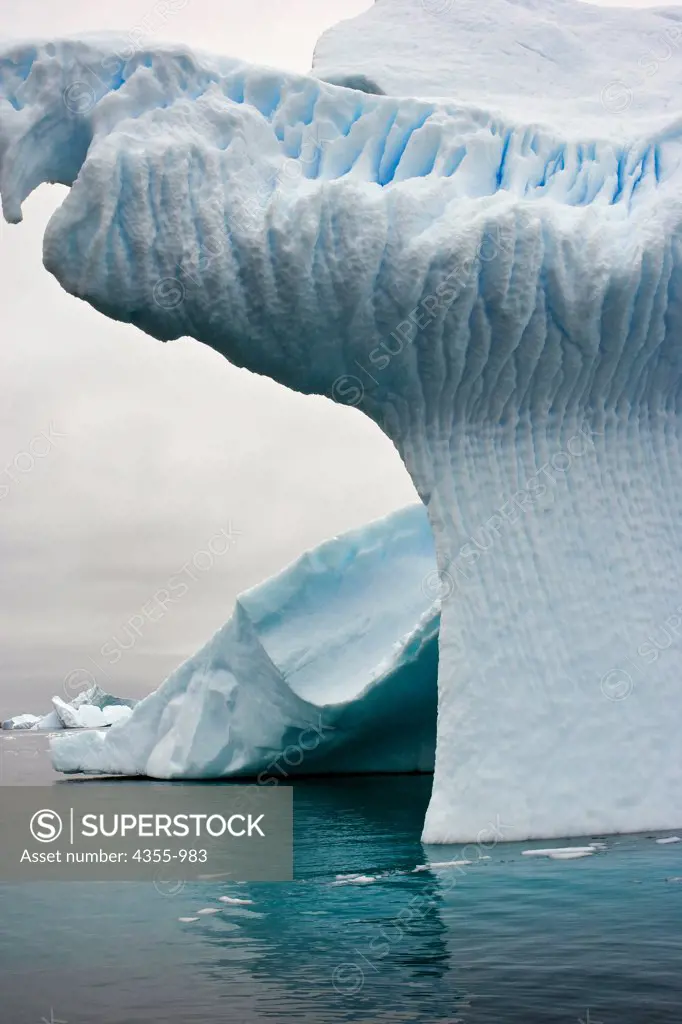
375, 927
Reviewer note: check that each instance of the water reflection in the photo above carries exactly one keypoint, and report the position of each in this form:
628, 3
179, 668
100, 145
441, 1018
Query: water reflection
504, 940
330, 948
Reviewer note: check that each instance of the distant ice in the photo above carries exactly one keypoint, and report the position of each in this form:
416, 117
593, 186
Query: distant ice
21, 722
90, 709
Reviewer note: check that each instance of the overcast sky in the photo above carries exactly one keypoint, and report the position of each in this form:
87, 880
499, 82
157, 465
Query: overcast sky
142, 451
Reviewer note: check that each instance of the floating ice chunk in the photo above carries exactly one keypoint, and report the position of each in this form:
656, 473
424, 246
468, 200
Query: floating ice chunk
560, 852
449, 863
356, 879
92, 708
93, 717
570, 854
86, 716
34, 723
442, 864
49, 722
89, 716
70, 718
97, 697
21, 722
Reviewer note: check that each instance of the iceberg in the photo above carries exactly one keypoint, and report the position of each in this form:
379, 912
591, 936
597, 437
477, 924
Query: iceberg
21, 722
328, 667
466, 224
94, 696
89, 716
49, 722
91, 708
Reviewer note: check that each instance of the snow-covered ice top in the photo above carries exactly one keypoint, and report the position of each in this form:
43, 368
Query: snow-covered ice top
559, 61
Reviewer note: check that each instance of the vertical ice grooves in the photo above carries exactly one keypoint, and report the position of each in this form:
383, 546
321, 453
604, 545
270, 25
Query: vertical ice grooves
508, 302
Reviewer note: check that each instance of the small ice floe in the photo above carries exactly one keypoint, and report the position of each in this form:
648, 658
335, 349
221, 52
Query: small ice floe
208, 910
355, 879
234, 901
188, 920
570, 854
442, 864
561, 852
668, 839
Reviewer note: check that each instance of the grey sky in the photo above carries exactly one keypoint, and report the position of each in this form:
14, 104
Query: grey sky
162, 446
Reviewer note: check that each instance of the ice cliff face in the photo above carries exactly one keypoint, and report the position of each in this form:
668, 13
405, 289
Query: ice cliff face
328, 667
493, 277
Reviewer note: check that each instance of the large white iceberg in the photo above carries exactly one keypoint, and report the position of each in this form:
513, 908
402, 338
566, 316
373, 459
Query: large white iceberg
494, 277
328, 667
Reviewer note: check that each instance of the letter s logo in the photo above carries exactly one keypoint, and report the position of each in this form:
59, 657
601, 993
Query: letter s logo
46, 826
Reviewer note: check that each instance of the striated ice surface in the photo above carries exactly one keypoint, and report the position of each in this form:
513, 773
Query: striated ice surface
478, 245
328, 667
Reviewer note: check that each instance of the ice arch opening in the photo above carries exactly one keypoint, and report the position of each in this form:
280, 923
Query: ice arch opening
501, 298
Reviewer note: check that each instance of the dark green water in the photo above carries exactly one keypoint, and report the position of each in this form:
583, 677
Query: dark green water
503, 940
